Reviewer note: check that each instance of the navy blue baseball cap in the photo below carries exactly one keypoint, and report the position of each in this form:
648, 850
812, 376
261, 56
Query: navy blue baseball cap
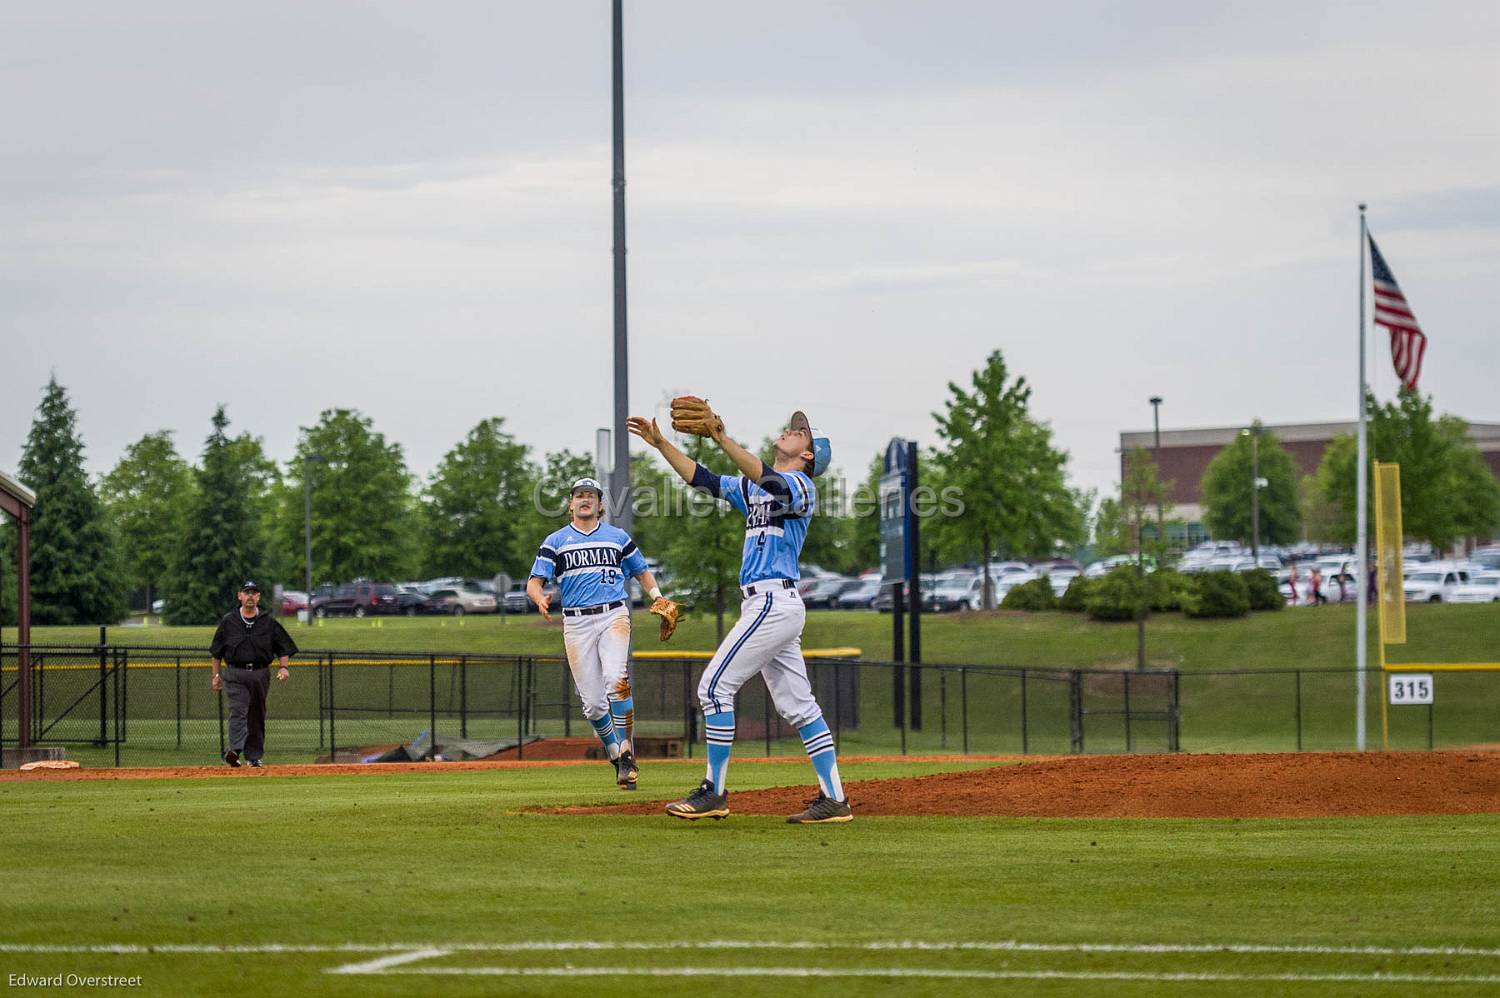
822, 450
249, 587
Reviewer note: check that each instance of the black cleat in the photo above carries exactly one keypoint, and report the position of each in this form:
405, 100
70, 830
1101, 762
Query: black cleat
701, 803
255, 764
823, 810
233, 758
626, 771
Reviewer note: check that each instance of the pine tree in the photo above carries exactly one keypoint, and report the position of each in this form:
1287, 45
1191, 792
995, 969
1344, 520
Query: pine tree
222, 546
75, 575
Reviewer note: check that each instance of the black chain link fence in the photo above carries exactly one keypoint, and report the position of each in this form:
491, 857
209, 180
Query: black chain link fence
141, 706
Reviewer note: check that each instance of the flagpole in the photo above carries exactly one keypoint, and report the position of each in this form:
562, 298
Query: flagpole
1361, 519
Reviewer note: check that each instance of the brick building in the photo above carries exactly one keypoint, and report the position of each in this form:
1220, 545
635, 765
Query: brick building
1185, 455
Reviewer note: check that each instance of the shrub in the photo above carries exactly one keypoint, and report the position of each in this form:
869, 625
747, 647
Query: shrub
1074, 597
1217, 594
1034, 595
1264, 593
1117, 595
1165, 588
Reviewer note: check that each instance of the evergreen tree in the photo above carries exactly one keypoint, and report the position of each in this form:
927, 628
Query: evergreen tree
222, 545
474, 502
75, 572
147, 495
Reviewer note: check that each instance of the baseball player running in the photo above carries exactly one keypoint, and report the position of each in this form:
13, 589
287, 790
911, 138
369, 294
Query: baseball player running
777, 502
590, 559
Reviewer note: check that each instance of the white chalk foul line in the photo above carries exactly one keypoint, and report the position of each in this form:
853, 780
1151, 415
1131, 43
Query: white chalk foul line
559, 946
938, 973
384, 964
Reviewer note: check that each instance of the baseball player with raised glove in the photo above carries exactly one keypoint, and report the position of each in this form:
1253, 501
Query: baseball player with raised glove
777, 502
590, 560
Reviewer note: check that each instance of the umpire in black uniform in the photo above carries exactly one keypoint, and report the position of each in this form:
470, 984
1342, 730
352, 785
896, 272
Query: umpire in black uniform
247, 641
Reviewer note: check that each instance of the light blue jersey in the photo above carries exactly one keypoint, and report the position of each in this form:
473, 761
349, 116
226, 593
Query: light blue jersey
591, 567
777, 511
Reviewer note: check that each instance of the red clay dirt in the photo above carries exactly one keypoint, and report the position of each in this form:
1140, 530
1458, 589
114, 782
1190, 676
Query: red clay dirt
1306, 785
1287, 785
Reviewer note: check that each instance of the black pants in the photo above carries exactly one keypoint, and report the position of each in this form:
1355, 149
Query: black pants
247, 690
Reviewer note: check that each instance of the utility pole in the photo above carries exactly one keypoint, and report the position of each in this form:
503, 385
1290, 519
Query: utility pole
307, 463
619, 501
1256, 483
1161, 525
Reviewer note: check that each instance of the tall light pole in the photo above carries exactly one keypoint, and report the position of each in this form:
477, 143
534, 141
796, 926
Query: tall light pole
1161, 526
307, 462
620, 480
1256, 484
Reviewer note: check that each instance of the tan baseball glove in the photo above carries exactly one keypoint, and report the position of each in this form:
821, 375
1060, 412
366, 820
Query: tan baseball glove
669, 613
691, 414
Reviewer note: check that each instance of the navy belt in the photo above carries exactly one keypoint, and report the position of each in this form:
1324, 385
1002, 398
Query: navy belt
589, 611
770, 585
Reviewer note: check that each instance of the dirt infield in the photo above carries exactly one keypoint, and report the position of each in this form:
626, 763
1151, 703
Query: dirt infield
1341, 784
1286, 785
566, 756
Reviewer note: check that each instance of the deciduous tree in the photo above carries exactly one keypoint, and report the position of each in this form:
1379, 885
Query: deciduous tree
1226, 486
1016, 500
146, 496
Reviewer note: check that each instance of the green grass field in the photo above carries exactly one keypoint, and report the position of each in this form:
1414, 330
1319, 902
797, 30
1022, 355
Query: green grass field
270, 884
1311, 637
1253, 710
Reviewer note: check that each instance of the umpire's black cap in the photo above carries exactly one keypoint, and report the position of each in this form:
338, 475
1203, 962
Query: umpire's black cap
249, 587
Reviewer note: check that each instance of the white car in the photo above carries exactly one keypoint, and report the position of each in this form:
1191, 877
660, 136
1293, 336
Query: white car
1481, 588
1061, 578
1433, 585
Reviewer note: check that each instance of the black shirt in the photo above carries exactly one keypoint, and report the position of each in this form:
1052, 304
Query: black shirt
259, 641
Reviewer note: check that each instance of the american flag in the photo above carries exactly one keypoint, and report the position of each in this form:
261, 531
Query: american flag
1408, 343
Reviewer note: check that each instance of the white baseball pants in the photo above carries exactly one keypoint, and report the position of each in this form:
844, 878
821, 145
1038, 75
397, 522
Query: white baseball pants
598, 649
767, 639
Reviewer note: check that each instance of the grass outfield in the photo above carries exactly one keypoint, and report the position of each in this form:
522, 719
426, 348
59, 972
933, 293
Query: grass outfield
1250, 711
350, 867
1307, 637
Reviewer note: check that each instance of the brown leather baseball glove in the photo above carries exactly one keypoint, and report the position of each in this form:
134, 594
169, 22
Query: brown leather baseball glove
669, 613
691, 414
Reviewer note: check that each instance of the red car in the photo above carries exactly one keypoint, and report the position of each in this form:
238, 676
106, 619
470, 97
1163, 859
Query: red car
291, 601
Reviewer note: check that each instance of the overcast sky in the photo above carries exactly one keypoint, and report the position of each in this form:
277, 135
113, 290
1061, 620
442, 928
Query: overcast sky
404, 209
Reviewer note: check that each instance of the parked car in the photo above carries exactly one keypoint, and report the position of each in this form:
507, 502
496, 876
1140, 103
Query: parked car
959, 592
884, 600
1103, 566
357, 599
412, 602
1433, 585
1051, 565
293, 600
859, 596
820, 593
515, 599
464, 600
1483, 587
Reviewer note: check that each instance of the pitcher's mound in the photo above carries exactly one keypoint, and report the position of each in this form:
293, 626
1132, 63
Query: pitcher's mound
1332, 784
